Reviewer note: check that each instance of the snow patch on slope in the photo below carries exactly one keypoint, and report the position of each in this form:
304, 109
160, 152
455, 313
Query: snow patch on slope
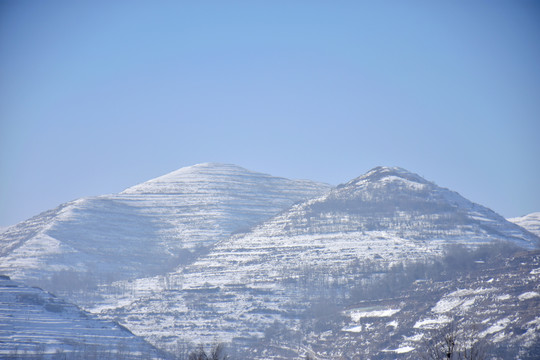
528, 295
358, 314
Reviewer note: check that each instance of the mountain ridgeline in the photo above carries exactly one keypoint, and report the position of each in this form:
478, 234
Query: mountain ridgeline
268, 265
150, 228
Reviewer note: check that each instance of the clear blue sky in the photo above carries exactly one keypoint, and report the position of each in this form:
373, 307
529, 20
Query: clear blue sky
96, 96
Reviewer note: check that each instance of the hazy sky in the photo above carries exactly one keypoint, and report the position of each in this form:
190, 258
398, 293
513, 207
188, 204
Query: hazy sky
96, 96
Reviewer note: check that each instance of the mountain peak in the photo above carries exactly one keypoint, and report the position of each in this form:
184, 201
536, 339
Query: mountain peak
199, 173
386, 174
385, 171
226, 177
404, 204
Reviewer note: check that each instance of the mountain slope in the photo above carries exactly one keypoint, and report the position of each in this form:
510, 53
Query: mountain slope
350, 234
530, 222
34, 323
495, 306
149, 228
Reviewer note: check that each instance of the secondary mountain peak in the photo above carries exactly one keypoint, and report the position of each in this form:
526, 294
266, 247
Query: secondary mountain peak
386, 174
402, 203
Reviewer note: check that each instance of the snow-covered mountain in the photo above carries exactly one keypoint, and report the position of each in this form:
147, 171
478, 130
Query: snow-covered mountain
215, 252
147, 229
530, 222
249, 281
36, 325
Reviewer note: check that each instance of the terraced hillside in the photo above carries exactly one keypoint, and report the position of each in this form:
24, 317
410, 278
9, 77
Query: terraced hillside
148, 229
277, 268
316, 249
493, 309
37, 325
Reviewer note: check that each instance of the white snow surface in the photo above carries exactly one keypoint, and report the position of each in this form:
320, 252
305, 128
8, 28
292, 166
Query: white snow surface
498, 326
528, 295
356, 315
432, 323
401, 350
530, 222
354, 329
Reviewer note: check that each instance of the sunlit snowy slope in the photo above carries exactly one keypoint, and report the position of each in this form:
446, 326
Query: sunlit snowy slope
249, 281
530, 222
147, 229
